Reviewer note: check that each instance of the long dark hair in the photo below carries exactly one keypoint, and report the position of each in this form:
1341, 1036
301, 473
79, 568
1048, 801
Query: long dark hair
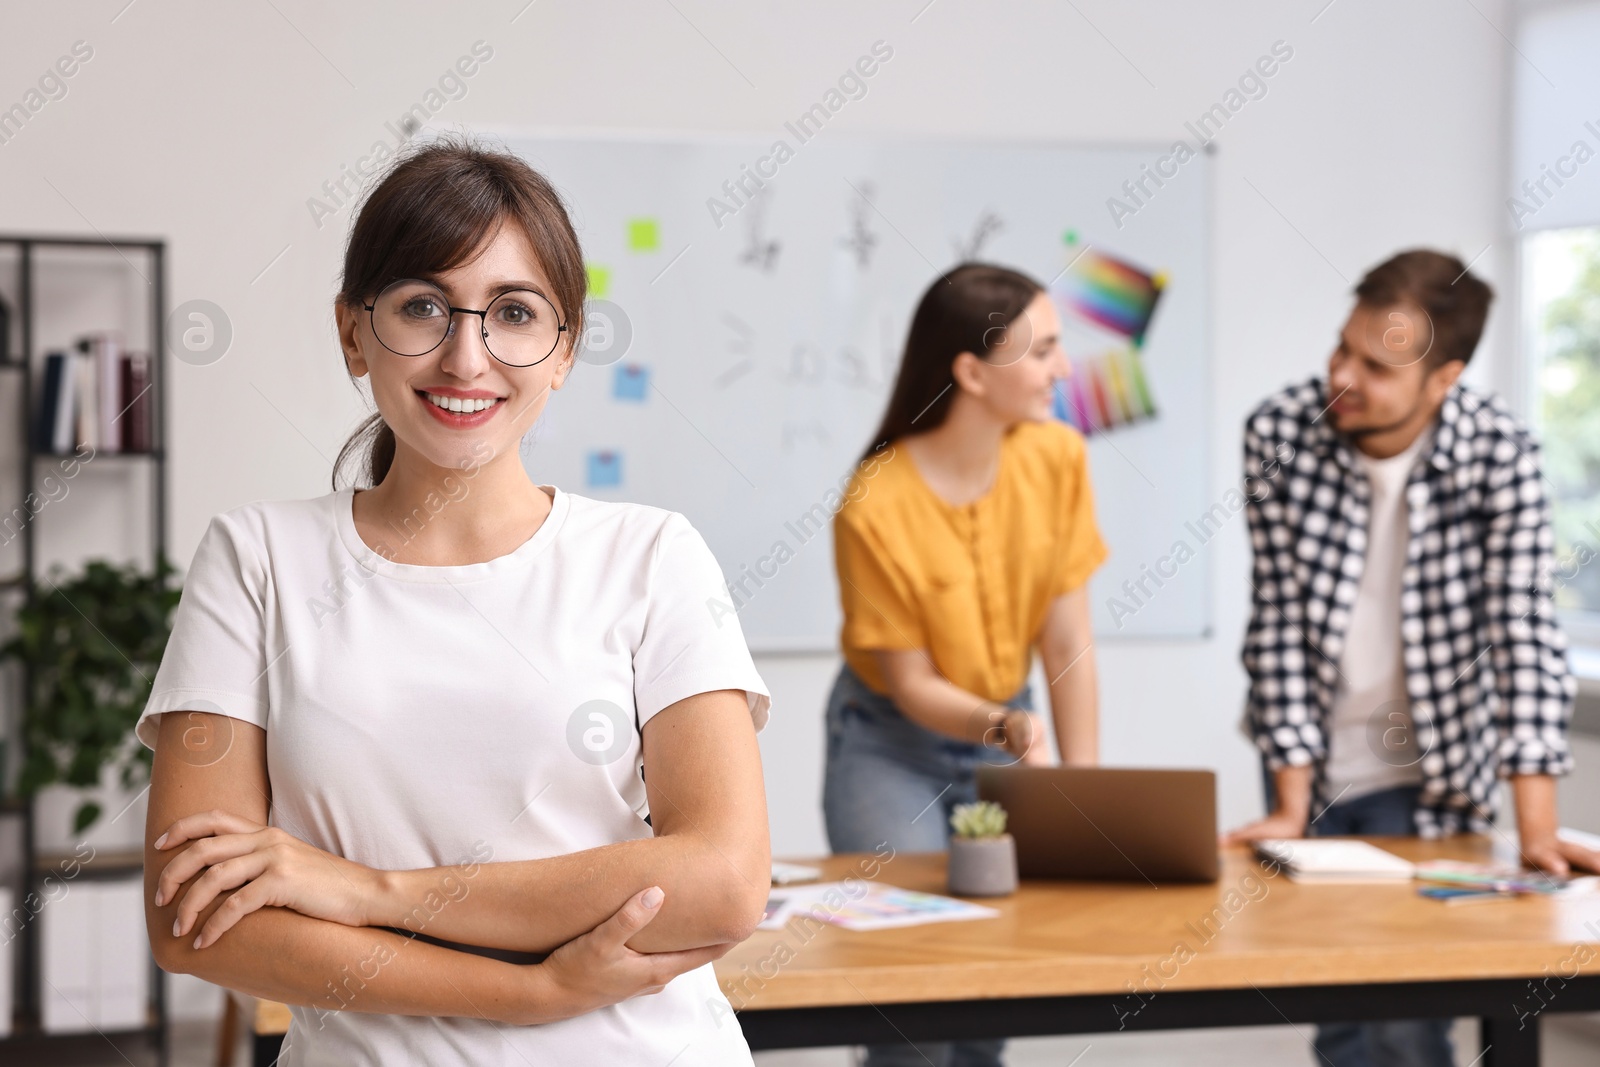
434, 208
962, 311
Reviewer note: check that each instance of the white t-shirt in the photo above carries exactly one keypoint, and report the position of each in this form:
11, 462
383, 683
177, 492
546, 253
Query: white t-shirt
1372, 744
423, 716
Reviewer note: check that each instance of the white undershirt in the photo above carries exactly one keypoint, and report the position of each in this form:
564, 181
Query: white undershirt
422, 716
1371, 743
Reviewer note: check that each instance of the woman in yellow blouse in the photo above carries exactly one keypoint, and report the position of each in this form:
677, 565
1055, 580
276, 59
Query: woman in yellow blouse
965, 542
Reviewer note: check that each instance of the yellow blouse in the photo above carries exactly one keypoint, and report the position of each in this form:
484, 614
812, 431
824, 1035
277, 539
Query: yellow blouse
970, 585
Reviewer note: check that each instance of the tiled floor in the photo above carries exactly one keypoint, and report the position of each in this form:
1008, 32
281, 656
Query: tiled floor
1569, 1042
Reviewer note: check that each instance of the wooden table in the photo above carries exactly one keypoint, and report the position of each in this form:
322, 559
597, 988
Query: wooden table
1251, 949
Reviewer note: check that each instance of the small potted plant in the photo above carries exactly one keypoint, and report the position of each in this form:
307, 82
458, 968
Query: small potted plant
92, 644
983, 857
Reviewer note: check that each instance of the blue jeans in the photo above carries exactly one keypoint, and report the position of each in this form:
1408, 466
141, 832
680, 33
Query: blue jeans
891, 781
1397, 1042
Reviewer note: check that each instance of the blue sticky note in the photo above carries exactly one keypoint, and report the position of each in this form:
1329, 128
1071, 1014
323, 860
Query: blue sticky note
604, 469
632, 382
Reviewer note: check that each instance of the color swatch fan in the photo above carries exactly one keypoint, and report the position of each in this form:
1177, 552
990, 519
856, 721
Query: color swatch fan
1108, 387
1104, 391
1111, 292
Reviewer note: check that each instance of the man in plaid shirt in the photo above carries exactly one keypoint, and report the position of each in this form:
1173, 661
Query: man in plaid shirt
1402, 648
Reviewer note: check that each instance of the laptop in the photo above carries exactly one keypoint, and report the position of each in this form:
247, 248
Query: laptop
1116, 824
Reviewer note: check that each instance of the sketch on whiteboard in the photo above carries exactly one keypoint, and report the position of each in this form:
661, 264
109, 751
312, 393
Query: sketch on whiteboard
806, 365
856, 374
733, 373
739, 345
760, 252
861, 240
795, 433
987, 225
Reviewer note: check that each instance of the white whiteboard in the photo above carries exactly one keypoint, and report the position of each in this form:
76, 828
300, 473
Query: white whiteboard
762, 352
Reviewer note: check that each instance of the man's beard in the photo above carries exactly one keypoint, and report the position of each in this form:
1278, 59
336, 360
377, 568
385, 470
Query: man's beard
1368, 431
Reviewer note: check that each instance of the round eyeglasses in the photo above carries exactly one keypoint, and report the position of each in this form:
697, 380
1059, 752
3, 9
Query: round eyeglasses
411, 317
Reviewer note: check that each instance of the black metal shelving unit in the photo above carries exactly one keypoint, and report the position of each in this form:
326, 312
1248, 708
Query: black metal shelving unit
28, 1042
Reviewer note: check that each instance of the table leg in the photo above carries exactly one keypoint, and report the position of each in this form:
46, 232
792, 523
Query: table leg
1509, 1042
265, 1050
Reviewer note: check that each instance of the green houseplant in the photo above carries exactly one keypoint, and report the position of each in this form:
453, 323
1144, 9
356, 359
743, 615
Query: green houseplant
983, 857
91, 645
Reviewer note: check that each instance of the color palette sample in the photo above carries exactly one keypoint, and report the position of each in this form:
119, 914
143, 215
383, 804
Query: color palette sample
1105, 391
1111, 292
1109, 388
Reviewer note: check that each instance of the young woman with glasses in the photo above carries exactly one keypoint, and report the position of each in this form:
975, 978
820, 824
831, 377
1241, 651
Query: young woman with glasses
401, 732
965, 543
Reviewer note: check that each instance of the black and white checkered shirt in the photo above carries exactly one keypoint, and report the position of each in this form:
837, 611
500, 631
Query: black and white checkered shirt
1485, 661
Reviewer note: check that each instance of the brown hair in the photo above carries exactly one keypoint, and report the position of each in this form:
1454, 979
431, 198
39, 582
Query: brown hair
962, 311
434, 208
1456, 302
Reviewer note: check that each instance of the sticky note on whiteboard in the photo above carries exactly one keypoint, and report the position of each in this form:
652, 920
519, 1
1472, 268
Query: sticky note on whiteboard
599, 280
632, 382
643, 235
603, 470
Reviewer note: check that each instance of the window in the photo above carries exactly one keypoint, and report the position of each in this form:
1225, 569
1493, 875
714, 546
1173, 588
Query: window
1561, 283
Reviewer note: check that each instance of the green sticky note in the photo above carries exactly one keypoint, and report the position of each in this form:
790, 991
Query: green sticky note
643, 235
1070, 237
599, 280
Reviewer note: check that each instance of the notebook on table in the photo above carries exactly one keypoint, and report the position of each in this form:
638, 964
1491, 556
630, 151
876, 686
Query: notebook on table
1333, 859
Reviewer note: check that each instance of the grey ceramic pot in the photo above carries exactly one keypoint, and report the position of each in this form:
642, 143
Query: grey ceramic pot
983, 866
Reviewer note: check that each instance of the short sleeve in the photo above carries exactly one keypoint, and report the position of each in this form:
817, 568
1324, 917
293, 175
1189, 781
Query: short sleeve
880, 610
216, 656
1083, 549
692, 641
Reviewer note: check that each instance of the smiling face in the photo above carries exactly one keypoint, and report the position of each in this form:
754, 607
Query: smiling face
415, 394
1381, 381
1016, 381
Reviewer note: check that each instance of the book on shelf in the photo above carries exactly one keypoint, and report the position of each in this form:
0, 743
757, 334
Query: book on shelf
96, 396
49, 400
138, 417
87, 414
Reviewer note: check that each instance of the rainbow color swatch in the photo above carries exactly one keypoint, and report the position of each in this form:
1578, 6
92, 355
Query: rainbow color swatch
1104, 392
1111, 292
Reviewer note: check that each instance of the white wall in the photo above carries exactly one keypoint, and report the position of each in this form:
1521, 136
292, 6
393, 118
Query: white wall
212, 125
